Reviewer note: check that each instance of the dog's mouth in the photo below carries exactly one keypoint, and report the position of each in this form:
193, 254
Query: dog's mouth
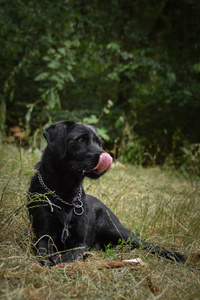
104, 164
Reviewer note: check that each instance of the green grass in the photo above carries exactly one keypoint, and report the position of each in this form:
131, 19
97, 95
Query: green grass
160, 205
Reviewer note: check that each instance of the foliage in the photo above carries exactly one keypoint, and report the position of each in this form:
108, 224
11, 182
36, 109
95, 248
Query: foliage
191, 161
93, 120
65, 59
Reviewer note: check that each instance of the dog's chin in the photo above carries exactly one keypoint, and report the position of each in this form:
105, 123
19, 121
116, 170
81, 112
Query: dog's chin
93, 174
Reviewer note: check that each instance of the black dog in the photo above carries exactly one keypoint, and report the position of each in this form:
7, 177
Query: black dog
66, 221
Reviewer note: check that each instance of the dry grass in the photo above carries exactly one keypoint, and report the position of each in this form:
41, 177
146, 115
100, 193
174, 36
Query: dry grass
161, 206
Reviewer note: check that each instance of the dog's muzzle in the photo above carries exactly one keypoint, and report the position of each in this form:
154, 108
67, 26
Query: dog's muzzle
104, 164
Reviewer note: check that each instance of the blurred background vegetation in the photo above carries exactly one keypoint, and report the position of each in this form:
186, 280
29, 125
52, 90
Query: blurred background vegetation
131, 68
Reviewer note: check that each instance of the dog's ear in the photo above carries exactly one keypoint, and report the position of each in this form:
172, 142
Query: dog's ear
56, 137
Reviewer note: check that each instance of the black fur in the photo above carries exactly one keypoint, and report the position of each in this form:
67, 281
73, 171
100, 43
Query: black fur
72, 153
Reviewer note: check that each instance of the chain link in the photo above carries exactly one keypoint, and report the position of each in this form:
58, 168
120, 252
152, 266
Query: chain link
76, 206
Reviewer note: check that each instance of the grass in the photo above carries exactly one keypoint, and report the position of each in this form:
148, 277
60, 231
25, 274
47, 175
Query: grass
160, 205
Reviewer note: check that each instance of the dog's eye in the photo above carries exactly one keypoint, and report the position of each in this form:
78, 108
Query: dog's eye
80, 140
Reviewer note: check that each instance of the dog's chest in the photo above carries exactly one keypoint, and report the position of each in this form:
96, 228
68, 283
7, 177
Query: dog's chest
65, 219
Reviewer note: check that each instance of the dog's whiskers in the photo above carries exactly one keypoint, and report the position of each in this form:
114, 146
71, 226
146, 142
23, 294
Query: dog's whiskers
82, 171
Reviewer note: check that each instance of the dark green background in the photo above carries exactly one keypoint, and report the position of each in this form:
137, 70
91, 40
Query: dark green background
66, 59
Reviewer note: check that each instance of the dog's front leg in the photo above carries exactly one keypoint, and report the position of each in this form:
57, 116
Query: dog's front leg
70, 255
136, 242
45, 250
114, 232
162, 252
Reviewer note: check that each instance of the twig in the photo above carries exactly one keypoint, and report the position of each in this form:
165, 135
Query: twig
106, 264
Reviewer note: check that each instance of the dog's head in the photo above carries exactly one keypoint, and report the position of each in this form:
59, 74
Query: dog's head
78, 148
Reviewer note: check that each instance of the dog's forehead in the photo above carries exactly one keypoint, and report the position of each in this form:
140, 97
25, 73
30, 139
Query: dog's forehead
92, 130
80, 129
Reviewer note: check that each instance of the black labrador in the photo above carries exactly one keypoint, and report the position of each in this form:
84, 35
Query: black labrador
67, 222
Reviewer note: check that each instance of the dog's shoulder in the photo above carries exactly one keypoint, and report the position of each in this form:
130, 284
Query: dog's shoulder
95, 204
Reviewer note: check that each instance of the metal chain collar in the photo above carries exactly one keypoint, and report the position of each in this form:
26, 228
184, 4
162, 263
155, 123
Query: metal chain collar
78, 208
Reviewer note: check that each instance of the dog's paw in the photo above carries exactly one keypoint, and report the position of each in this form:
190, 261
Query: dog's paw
175, 256
44, 262
179, 257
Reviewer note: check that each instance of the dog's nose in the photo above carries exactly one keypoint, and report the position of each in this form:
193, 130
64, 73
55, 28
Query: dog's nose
104, 164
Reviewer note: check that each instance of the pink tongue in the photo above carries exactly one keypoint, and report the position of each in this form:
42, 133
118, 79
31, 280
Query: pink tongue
104, 164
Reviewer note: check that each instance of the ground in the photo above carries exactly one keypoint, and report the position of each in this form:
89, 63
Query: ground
161, 205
